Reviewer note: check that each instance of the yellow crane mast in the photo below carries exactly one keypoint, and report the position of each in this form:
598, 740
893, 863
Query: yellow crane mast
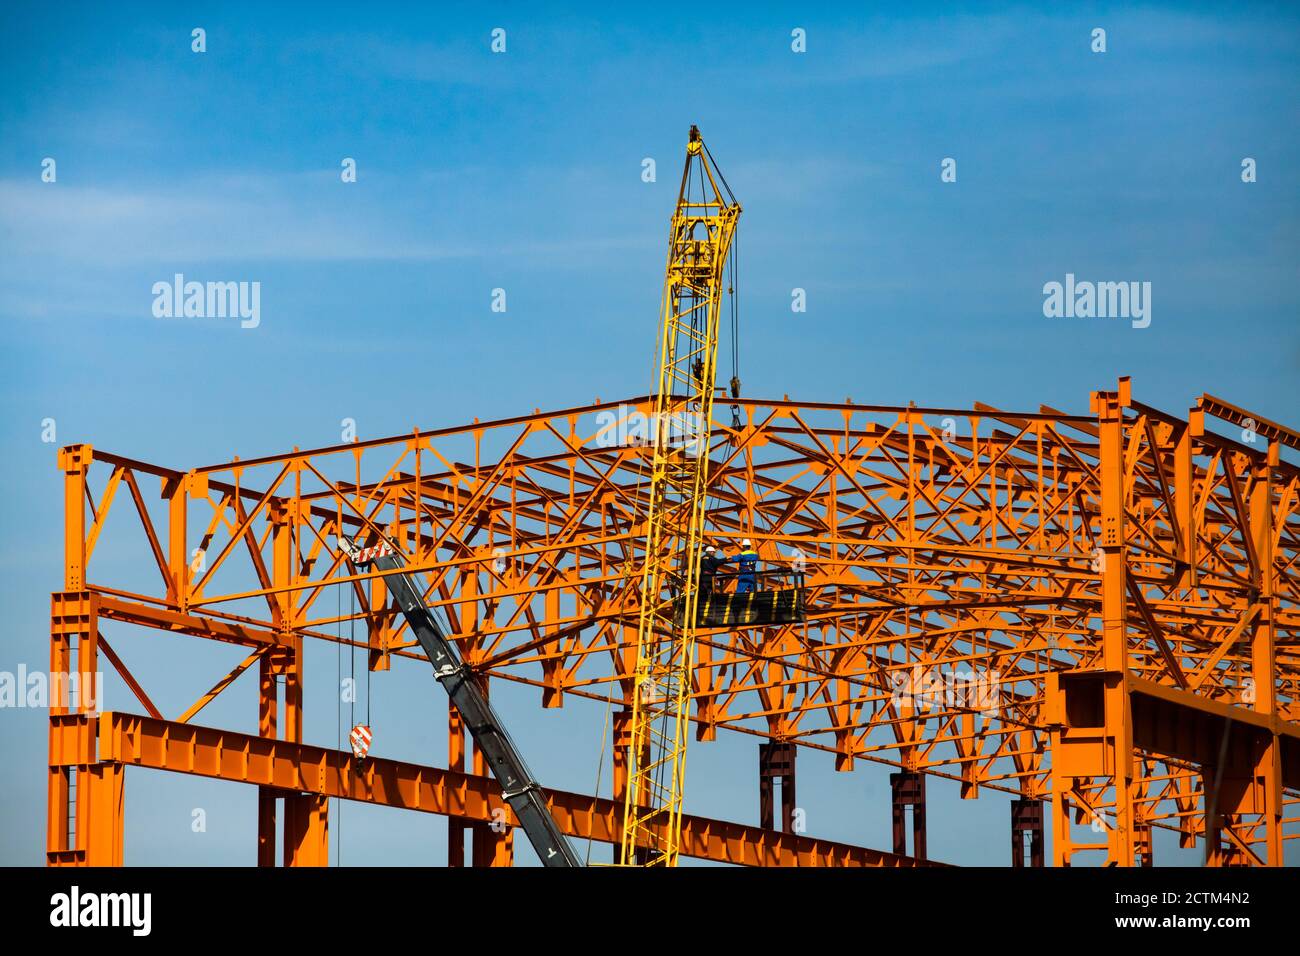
699, 242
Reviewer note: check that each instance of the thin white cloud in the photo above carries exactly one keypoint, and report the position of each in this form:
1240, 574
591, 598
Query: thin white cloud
291, 217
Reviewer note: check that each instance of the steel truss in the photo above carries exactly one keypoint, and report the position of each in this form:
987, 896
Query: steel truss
1078, 609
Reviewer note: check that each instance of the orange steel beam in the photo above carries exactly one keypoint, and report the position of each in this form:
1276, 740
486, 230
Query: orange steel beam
313, 775
1006, 546
1235, 415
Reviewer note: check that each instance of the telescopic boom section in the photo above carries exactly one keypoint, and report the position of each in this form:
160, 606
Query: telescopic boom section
518, 786
699, 241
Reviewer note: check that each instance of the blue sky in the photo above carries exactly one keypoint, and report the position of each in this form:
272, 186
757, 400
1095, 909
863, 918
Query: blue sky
523, 171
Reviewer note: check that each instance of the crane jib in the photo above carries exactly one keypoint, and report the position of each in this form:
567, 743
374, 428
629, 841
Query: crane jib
700, 240
518, 787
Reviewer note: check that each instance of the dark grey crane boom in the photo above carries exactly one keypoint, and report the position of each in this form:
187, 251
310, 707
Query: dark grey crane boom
520, 789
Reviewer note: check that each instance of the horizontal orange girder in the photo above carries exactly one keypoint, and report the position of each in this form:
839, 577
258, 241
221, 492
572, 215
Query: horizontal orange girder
138, 741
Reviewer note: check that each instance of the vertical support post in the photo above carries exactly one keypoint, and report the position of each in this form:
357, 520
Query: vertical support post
488, 847
61, 818
284, 573
504, 848
492, 848
103, 792
455, 761
552, 664
56, 820
379, 624
765, 812
621, 731
1062, 845
1213, 818
706, 702
480, 836
74, 462
844, 738
623, 743
776, 761
72, 617
306, 830
1118, 734
1027, 825
74, 812
907, 789
176, 491
456, 749
1185, 497
268, 700
1263, 649
1143, 846
306, 816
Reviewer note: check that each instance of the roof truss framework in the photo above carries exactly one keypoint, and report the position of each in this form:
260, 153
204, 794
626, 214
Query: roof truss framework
957, 562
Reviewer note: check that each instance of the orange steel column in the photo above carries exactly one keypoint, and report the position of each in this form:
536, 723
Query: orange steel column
306, 816
483, 849
1109, 407
552, 667
104, 796
492, 848
77, 803
100, 795
456, 762
1185, 499
621, 740
503, 848
1263, 649
1062, 844
84, 811
176, 492
268, 704
267, 721
1100, 745
306, 830
73, 462
60, 774
285, 564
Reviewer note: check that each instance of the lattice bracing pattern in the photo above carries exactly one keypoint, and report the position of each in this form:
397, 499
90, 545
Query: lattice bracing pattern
1021, 602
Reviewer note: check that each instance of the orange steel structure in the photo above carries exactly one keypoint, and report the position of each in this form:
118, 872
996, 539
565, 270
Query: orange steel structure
1098, 611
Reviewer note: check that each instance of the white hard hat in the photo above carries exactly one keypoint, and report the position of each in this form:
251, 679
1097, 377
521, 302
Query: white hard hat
745, 543
708, 549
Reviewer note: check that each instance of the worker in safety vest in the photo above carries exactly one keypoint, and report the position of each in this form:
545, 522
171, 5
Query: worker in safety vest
748, 560
710, 563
